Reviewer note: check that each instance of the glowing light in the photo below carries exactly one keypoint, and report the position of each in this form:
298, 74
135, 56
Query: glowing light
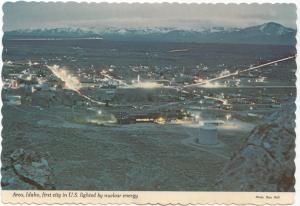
103, 119
260, 79
71, 82
8, 62
160, 120
224, 101
103, 72
242, 71
224, 72
147, 85
144, 120
213, 85
29, 63
41, 81
228, 116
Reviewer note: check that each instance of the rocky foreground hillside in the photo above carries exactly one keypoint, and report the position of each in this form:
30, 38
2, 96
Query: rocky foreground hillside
26, 169
265, 162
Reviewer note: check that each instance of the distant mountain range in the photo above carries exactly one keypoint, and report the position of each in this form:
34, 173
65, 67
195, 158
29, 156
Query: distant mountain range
268, 33
50, 33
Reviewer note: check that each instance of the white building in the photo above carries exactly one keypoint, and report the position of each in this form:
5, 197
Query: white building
208, 134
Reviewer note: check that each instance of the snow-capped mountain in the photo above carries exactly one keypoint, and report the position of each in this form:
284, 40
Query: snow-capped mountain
51, 33
272, 28
140, 31
268, 33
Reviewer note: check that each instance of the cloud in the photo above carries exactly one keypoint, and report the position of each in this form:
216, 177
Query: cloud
22, 15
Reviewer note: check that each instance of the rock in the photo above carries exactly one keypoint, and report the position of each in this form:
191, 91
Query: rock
28, 171
10, 181
266, 160
267, 145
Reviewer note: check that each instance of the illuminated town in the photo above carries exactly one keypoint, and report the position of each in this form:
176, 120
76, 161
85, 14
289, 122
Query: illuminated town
145, 115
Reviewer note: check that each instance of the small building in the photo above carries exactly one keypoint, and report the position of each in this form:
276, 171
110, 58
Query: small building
208, 134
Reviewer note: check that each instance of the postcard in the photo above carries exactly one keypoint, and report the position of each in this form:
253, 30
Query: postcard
160, 103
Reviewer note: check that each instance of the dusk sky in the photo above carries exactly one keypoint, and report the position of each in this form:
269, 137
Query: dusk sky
22, 15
